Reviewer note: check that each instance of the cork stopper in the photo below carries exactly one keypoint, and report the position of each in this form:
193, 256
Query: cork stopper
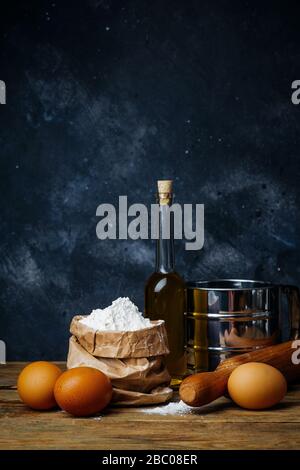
165, 191
165, 186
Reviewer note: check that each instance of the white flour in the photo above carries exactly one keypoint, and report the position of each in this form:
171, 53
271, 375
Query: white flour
121, 315
172, 408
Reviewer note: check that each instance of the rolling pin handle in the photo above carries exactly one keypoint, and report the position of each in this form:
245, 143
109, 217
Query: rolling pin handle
203, 388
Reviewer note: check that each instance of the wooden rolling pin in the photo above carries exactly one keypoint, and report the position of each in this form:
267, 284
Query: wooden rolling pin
203, 388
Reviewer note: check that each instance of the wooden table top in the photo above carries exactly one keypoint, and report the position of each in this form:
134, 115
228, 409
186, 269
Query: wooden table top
220, 425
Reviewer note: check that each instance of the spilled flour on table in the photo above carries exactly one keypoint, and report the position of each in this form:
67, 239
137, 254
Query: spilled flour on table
172, 408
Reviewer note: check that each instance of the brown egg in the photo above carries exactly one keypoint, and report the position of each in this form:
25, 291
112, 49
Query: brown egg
36, 384
256, 386
83, 391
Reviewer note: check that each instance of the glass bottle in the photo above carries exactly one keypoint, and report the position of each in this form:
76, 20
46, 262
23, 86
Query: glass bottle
165, 290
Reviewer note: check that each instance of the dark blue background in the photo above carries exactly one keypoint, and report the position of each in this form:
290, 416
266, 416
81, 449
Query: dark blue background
105, 97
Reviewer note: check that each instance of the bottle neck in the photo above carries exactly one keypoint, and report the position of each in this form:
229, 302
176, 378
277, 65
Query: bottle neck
165, 262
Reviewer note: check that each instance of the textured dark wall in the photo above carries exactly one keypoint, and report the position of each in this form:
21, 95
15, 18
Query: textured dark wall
105, 97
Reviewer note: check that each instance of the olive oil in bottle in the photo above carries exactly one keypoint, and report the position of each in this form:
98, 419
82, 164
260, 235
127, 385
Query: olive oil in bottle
165, 290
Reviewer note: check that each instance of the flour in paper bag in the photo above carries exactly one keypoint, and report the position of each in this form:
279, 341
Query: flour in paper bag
121, 315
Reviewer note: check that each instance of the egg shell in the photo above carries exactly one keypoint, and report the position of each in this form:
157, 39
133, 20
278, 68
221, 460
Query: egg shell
83, 391
256, 386
36, 385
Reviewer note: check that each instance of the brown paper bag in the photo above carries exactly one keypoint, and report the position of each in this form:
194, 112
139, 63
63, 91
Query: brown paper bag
152, 341
155, 397
134, 361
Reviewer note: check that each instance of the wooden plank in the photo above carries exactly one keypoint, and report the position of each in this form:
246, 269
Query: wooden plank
220, 425
9, 372
150, 434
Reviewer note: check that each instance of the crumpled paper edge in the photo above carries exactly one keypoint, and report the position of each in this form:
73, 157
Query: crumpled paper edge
147, 342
